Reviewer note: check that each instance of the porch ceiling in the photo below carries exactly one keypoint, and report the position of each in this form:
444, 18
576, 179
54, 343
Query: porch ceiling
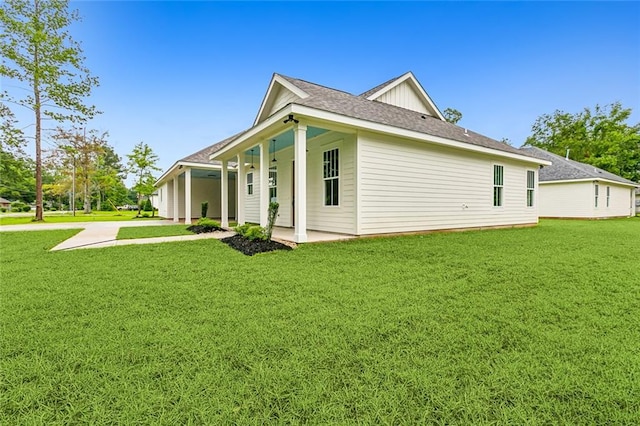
285, 140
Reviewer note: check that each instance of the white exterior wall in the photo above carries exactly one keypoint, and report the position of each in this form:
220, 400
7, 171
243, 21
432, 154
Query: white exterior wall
284, 166
165, 191
340, 218
414, 186
252, 202
404, 96
282, 98
577, 199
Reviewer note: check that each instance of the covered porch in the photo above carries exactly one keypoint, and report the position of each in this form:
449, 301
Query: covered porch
305, 165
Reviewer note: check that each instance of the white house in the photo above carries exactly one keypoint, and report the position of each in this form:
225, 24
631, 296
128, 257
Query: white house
384, 161
576, 190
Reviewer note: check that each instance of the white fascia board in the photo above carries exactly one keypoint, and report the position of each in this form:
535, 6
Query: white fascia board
176, 166
284, 83
410, 134
613, 182
278, 116
409, 76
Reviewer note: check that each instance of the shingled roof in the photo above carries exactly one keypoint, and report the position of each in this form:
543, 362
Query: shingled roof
202, 156
565, 169
343, 103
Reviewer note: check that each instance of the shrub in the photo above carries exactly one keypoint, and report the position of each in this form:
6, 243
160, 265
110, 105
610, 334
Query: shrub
256, 233
204, 208
145, 215
242, 229
17, 206
26, 208
147, 206
205, 225
3, 209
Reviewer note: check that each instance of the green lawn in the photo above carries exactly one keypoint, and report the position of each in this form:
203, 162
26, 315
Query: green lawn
519, 326
152, 231
55, 217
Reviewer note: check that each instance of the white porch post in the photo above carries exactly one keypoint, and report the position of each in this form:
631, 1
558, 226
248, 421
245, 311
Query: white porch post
224, 195
176, 199
264, 182
187, 196
241, 183
300, 176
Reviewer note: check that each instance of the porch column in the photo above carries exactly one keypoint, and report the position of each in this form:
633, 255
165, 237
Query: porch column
187, 196
300, 176
264, 182
241, 183
176, 199
224, 195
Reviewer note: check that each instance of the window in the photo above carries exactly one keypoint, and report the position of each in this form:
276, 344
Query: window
250, 183
273, 184
596, 195
531, 184
608, 195
331, 177
498, 182
160, 194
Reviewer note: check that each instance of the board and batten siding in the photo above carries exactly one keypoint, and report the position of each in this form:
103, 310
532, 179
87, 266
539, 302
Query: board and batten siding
410, 186
404, 96
577, 200
339, 218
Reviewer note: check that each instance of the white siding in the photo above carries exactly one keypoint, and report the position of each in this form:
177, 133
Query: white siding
331, 218
252, 202
281, 98
577, 199
164, 205
404, 96
284, 167
413, 186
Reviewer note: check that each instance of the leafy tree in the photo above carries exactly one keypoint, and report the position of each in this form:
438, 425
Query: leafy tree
142, 164
81, 151
600, 137
452, 115
108, 179
38, 51
16, 169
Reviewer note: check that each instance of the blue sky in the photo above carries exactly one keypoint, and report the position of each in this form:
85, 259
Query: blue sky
183, 75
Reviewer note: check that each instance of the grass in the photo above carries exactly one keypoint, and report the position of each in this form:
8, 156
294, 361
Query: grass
520, 326
152, 231
55, 217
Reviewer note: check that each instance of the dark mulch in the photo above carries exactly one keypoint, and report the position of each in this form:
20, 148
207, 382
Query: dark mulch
250, 248
200, 229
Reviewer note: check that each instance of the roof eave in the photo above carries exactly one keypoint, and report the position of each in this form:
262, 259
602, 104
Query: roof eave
179, 164
590, 179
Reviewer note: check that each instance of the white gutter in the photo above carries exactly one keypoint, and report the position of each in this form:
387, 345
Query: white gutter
615, 182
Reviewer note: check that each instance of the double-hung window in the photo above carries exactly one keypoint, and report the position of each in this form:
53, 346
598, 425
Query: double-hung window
596, 197
250, 183
531, 182
498, 185
608, 194
273, 184
331, 176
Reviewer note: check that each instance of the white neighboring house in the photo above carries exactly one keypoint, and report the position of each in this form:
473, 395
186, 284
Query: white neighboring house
385, 161
572, 189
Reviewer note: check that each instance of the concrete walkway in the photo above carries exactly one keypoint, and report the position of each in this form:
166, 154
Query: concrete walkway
103, 234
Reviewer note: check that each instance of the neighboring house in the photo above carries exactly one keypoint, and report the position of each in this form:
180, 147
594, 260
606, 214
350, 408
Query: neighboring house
637, 200
576, 190
385, 161
4, 203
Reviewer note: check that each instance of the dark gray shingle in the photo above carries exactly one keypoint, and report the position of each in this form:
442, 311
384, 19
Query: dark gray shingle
563, 169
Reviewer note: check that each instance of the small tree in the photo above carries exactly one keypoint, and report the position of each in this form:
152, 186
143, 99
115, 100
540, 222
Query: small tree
205, 207
452, 115
37, 50
271, 218
142, 163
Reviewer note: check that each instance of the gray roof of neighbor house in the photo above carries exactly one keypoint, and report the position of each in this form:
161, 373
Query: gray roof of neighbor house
564, 169
4, 201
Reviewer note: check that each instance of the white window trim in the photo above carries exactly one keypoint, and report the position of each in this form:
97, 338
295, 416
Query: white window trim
331, 147
533, 189
250, 184
493, 186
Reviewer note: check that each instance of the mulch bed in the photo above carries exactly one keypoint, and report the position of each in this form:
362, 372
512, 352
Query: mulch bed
201, 229
250, 248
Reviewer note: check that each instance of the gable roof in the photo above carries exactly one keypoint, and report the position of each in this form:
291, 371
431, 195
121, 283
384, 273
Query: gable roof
380, 86
565, 169
337, 101
202, 156
4, 201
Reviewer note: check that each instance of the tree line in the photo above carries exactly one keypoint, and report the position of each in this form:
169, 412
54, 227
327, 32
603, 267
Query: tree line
39, 53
